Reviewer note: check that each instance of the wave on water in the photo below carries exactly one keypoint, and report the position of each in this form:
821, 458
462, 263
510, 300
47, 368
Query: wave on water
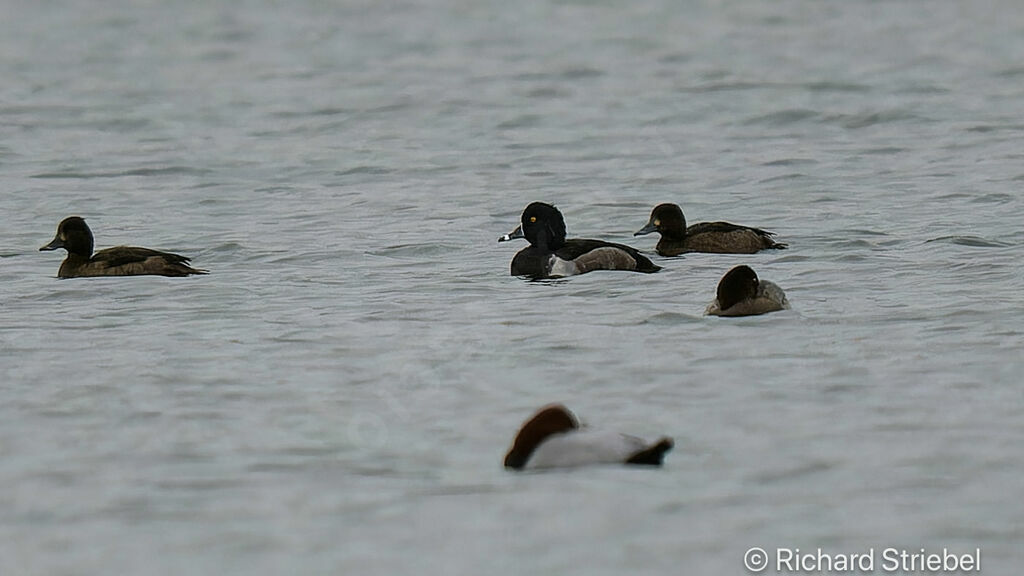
164, 171
974, 241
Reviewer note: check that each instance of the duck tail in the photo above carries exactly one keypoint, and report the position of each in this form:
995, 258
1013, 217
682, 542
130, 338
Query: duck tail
182, 270
644, 264
653, 455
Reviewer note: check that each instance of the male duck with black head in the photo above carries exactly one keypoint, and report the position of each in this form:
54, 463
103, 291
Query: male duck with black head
550, 255
73, 235
714, 237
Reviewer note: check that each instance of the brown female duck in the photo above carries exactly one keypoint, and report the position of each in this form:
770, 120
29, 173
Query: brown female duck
73, 235
716, 237
742, 293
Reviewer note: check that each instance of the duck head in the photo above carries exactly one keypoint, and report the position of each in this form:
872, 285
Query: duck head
737, 285
666, 219
542, 225
73, 235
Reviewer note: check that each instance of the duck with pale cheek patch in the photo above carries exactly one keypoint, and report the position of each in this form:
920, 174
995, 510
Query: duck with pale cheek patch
552, 438
550, 255
73, 235
742, 293
715, 237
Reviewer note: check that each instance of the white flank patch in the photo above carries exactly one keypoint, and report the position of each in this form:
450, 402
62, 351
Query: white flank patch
583, 447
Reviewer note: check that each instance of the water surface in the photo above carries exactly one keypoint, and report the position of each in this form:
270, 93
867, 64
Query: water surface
338, 394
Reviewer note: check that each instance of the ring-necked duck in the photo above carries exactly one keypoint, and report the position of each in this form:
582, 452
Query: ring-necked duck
552, 438
716, 237
73, 235
550, 255
741, 293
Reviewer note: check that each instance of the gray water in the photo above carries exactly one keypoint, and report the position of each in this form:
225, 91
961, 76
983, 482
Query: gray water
336, 397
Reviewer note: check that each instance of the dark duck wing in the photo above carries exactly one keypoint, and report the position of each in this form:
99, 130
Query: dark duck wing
135, 261
726, 237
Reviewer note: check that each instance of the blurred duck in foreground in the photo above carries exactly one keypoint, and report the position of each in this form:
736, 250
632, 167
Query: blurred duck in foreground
552, 438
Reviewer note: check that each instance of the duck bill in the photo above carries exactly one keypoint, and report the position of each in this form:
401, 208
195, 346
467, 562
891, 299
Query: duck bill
646, 229
53, 245
517, 233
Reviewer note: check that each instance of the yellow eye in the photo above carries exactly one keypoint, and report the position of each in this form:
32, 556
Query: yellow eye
657, 222
533, 219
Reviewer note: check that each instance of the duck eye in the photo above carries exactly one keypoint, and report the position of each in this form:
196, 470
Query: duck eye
657, 222
533, 219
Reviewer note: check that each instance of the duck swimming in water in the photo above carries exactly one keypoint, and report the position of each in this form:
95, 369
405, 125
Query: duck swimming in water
716, 237
552, 438
550, 255
742, 293
73, 235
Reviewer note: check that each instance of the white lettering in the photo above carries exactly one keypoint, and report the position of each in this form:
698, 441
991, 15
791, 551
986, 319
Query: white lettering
890, 562
808, 567
971, 563
866, 562
779, 559
893, 560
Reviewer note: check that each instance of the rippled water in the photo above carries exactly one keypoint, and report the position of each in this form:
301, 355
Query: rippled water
338, 394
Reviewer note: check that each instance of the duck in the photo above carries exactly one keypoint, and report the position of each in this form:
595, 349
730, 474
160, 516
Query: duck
550, 255
742, 293
714, 237
552, 438
74, 235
